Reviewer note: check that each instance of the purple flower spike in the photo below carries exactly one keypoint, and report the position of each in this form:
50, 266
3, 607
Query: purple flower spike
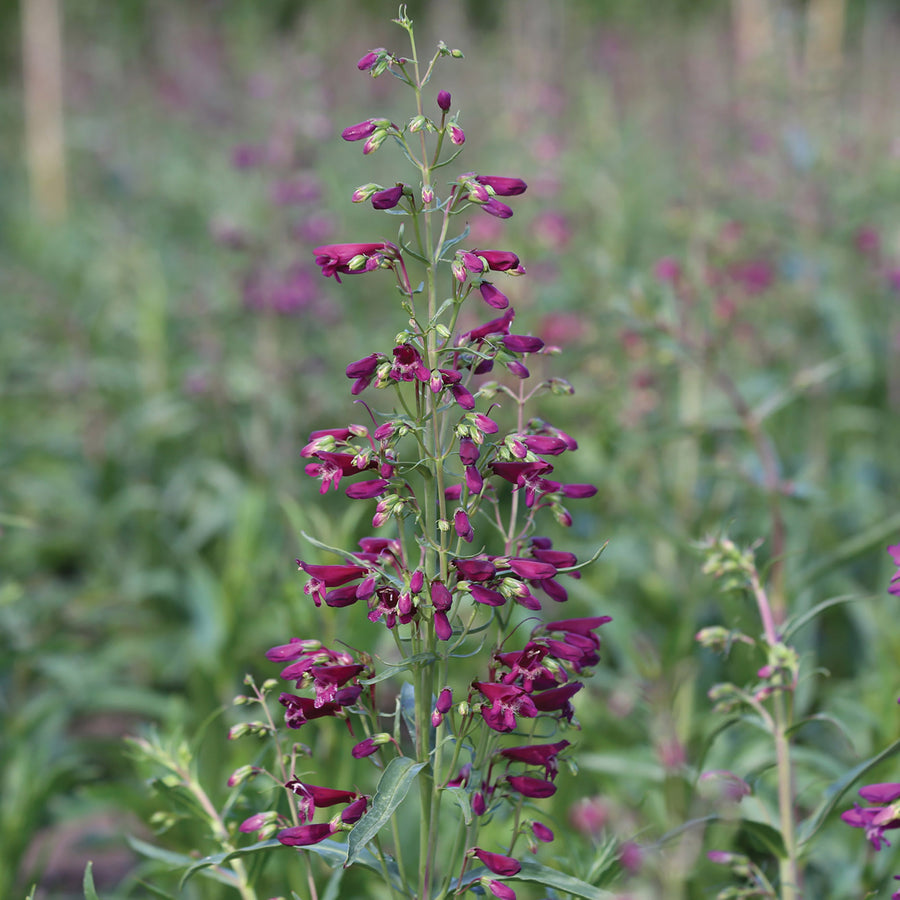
443, 100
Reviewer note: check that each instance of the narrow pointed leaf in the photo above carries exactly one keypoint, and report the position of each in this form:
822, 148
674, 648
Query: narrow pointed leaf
392, 788
90, 892
837, 789
538, 874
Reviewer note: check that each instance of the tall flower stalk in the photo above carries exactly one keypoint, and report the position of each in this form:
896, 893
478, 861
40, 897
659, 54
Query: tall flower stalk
456, 564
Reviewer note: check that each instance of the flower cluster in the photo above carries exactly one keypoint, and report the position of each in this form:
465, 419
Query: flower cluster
884, 812
441, 474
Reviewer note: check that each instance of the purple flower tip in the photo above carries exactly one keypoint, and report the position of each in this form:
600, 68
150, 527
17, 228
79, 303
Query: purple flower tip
443, 100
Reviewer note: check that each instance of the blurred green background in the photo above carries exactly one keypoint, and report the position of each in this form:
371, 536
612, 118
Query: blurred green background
712, 236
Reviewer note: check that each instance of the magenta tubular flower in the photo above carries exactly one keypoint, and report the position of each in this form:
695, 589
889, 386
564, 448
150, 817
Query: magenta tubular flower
541, 832
556, 698
463, 526
255, 822
503, 186
559, 559
468, 452
474, 480
531, 787
441, 598
355, 811
497, 863
507, 702
500, 890
485, 424
501, 261
328, 679
487, 596
368, 61
545, 444
335, 259
444, 100
292, 650
364, 748
387, 199
312, 797
363, 371
408, 365
331, 467
886, 792
492, 296
333, 576
536, 755
362, 130
478, 569
499, 325
895, 580
300, 710
495, 208
442, 627
532, 569
579, 491
521, 343
365, 490
463, 396
304, 835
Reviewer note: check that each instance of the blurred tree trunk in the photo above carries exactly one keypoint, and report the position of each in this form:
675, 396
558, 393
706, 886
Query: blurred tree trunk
824, 39
754, 39
43, 100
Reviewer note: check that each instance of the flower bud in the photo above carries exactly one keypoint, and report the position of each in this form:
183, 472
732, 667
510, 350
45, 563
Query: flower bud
427, 195
368, 62
457, 135
443, 100
364, 191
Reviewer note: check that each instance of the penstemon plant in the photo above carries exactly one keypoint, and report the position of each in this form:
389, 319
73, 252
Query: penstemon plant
483, 675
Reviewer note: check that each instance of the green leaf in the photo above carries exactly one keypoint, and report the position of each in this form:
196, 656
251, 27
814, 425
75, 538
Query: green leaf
413, 662
794, 625
538, 874
174, 860
461, 796
219, 859
768, 837
837, 789
335, 855
90, 892
392, 788
334, 884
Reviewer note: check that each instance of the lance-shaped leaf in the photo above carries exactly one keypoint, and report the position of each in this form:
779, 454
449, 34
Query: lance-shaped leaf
392, 788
